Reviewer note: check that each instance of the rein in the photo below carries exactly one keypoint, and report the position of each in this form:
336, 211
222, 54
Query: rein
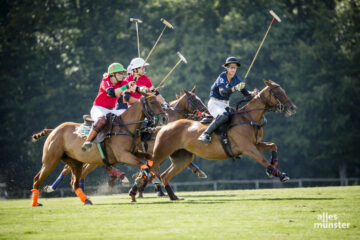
147, 112
259, 124
191, 105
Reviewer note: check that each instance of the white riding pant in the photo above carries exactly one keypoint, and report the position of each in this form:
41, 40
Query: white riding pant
97, 112
216, 108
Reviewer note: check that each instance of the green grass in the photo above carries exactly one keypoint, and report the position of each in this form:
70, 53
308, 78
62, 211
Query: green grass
241, 214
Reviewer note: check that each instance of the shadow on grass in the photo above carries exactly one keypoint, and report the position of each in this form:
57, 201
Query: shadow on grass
217, 201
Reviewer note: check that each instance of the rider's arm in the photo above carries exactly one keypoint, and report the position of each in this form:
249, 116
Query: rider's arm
224, 91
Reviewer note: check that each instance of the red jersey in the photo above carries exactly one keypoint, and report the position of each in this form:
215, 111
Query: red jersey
140, 82
103, 99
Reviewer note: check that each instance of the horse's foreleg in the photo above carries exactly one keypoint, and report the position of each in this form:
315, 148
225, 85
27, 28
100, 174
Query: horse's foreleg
86, 169
263, 146
177, 165
76, 168
254, 153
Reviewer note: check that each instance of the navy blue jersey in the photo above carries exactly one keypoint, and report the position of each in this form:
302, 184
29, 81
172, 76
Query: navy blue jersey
221, 89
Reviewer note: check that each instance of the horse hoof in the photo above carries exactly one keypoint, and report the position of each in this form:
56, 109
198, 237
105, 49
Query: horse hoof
48, 189
176, 198
269, 174
140, 195
201, 174
133, 198
38, 205
284, 177
88, 202
125, 182
161, 194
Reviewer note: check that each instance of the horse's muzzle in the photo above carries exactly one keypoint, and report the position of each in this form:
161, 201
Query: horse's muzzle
290, 110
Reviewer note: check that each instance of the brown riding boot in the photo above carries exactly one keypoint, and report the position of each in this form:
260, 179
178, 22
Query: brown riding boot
93, 133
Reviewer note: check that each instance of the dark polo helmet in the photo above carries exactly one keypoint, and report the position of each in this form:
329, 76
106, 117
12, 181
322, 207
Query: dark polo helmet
232, 60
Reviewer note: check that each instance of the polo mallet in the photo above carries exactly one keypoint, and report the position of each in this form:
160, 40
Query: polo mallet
262, 42
137, 31
182, 59
167, 24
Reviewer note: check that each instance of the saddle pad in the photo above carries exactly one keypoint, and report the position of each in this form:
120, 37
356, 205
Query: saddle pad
83, 131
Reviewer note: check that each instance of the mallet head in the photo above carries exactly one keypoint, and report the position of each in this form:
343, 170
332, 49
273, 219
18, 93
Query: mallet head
181, 57
275, 16
167, 23
135, 20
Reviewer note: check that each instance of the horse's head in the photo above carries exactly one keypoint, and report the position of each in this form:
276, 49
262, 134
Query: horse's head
274, 97
193, 103
152, 109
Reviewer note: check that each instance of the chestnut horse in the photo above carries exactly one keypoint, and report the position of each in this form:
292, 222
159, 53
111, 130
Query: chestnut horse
184, 106
244, 132
63, 144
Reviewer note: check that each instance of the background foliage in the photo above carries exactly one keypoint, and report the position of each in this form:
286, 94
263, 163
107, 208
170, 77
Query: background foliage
53, 54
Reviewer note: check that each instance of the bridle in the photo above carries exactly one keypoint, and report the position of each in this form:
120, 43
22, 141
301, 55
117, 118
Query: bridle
269, 106
149, 114
194, 105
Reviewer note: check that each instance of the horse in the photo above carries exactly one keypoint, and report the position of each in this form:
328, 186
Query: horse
63, 144
245, 134
187, 105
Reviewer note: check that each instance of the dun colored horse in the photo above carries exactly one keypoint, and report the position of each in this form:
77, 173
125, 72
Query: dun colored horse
185, 106
63, 144
244, 132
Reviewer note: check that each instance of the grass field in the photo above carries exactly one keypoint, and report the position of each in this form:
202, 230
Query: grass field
241, 214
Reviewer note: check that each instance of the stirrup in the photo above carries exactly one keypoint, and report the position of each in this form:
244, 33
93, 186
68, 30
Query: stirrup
205, 138
86, 146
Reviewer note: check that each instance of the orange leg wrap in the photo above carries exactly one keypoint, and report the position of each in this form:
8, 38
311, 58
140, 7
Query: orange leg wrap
142, 167
35, 196
81, 194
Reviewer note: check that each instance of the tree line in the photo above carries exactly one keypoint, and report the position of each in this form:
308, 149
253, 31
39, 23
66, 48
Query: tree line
53, 54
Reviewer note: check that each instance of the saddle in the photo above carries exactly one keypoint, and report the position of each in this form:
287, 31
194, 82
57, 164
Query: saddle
84, 130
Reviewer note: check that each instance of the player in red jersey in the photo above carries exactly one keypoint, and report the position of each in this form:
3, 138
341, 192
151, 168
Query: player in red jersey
111, 86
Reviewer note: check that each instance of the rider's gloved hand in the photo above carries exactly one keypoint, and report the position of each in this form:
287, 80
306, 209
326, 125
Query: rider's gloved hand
239, 86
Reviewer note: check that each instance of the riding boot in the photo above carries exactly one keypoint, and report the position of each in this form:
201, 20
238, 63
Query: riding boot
97, 127
220, 119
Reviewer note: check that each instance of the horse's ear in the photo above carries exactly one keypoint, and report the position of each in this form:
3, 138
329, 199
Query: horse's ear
186, 91
177, 96
266, 82
194, 89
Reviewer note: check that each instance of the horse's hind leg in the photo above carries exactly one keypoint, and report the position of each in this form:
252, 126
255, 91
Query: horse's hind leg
76, 168
50, 188
47, 167
263, 146
86, 169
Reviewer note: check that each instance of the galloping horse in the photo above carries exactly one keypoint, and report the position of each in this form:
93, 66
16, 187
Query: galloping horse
244, 132
63, 144
184, 106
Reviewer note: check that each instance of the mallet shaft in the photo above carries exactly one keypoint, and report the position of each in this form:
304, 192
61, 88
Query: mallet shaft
154, 45
167, 75
257, 52
137, 35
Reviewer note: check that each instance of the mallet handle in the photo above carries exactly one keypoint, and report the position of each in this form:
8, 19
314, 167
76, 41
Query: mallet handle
137, 34
167, 75
257, 52
154, 45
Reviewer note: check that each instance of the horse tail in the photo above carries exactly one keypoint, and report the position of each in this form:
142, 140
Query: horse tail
35, 137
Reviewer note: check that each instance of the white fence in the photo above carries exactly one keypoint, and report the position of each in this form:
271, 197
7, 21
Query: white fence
204, 186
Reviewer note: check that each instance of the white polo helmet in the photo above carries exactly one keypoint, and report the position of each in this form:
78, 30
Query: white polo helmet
129, 70
137, 62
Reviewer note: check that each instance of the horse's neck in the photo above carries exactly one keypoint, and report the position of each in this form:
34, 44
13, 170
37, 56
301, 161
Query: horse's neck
133, 114
179, 111
255, 108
